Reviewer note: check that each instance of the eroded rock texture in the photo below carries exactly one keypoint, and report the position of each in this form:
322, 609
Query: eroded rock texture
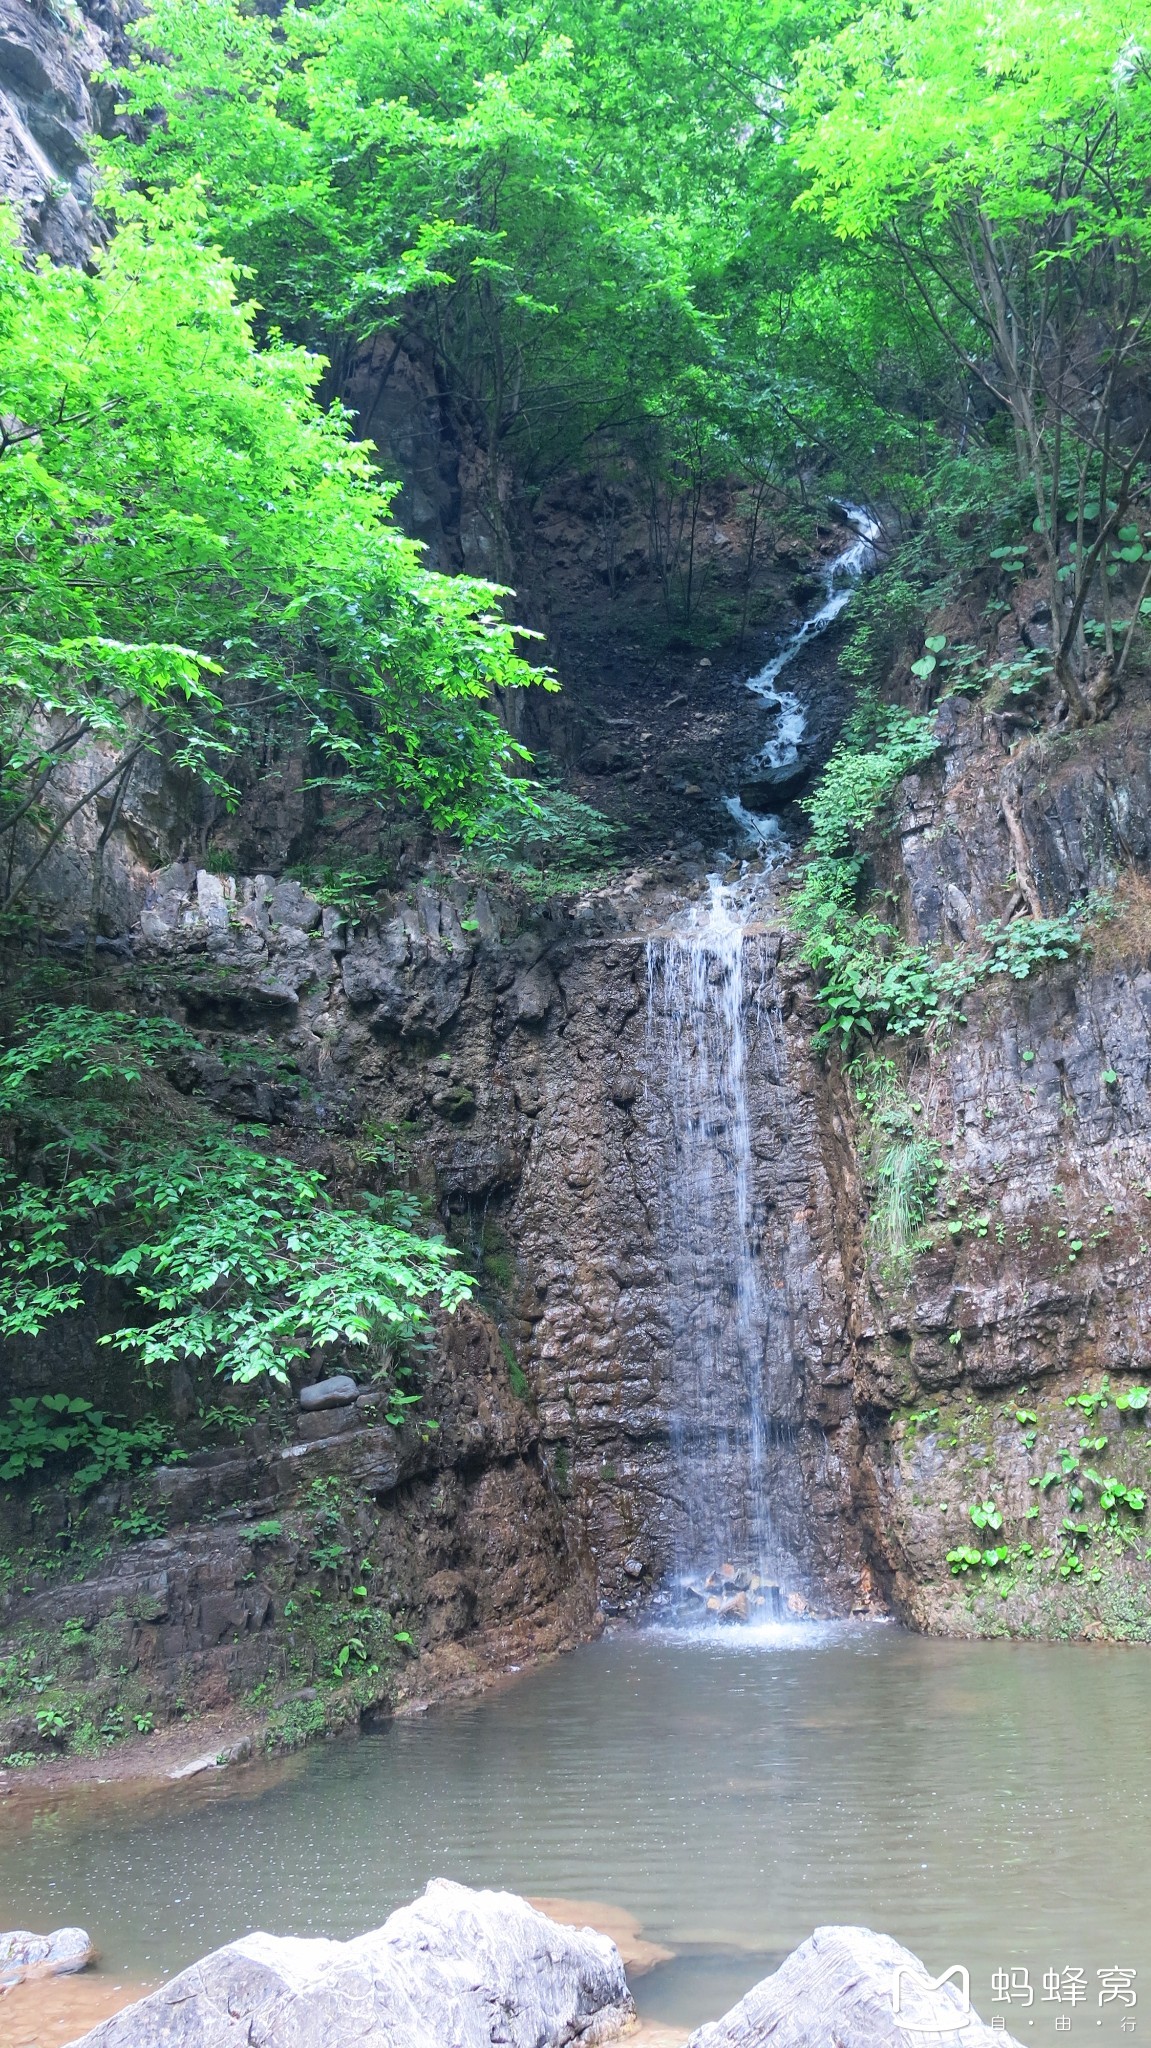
1035, 1286
517, 1061
458, 1965
51, 100
255, 1566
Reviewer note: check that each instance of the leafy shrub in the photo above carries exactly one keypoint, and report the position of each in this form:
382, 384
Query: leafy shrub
1029, 942
869, 979
882, 614
880, 744
232, 1257
42, 1430
194, 534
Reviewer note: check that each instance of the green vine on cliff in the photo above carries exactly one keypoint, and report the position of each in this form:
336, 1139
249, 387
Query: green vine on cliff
869, 979
902, 1161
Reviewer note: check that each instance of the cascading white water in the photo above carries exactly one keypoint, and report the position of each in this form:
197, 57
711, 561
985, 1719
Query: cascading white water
697, 1042
781, 747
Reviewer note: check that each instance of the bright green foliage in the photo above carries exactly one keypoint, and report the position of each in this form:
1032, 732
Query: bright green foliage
1112, 1493
413, 167
880, 745
906, 1176
966, 1558
1029, 942
1000, 159
227, 1255
986, 1515
245, 1264
51, 1429
66, 1056
1091, 1400
582, 221
869, 978
903, 1164
1007, 86
194, 550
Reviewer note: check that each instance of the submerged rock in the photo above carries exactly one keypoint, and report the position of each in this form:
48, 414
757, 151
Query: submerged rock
637, 1953
840, 1987
24, 1955
728, 1608
458, 1966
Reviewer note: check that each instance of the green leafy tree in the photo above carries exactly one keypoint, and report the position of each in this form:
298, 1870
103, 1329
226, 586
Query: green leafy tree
580, 224
194, 550
1002, 160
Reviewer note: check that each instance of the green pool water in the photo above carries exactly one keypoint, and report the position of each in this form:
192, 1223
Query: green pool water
986, 1803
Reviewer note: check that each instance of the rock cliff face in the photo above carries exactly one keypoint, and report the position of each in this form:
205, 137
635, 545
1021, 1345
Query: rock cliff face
507, 1053
51, 101
1035, 1289
239, 1579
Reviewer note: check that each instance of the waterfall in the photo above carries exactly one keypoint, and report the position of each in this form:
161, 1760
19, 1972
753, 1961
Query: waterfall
711, 1222
697, 1041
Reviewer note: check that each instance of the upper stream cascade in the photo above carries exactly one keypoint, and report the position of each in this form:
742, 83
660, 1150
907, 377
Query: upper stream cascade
707, 979
781, 748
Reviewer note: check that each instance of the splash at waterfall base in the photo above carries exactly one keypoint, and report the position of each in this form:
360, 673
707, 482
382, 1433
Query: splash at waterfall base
735, 1593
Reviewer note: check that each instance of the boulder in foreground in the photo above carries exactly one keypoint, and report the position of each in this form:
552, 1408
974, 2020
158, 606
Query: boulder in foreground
459, 1966
24, 1955
837, 1990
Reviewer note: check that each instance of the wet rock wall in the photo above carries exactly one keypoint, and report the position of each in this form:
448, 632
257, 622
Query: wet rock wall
51, 101
510, 1049
1030, 1289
